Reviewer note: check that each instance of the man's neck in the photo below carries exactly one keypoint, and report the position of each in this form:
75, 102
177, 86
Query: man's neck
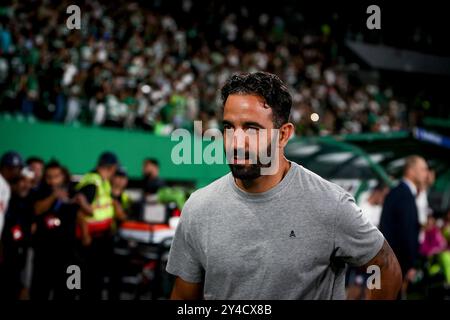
411, 185
265, 182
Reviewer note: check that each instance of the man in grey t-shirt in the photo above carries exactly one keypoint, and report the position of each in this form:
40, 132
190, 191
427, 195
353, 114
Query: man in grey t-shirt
284, 235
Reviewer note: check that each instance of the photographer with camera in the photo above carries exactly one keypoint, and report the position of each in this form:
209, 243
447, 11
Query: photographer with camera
54, 239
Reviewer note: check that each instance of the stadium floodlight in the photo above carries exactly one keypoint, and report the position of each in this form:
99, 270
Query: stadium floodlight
146, 89
314, 117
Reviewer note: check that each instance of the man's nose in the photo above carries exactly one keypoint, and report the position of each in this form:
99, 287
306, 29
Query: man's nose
238, 135
239, 138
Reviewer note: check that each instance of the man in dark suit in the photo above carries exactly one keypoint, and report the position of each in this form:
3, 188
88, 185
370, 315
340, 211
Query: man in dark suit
399, 219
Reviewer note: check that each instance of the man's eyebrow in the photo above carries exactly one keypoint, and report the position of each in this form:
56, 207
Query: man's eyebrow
245, 124
253, 124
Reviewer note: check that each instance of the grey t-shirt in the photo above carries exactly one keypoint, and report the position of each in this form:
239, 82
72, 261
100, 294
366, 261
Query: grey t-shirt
290, 242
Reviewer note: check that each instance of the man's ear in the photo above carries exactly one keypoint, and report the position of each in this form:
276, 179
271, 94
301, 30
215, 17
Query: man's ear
286, 131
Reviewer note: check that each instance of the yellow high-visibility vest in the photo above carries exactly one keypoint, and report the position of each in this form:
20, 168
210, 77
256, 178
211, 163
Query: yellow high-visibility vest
102, 205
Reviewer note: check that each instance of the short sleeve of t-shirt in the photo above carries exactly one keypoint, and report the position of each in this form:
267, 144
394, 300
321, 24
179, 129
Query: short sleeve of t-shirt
184, 256
357, 240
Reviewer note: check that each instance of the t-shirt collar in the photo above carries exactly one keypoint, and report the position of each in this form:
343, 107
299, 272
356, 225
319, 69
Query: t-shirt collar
269, 193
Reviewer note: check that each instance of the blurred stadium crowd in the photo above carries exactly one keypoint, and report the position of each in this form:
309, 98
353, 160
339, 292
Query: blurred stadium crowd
49, 222
135, 66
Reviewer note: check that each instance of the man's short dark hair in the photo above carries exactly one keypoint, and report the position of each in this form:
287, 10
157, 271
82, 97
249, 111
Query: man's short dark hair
121, 172
107, 159
265, 85
33, 159
53, 164
380, 186
152, 161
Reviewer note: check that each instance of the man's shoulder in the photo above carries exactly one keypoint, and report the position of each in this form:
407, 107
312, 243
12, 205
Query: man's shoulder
324, 199
399, 194
3, 183
314, 184
208, 195
400, 190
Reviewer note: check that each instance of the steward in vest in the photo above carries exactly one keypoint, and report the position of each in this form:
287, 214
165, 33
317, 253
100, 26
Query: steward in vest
96, 226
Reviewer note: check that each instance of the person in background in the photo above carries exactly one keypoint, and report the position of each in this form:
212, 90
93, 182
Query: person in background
5, 194
96, 223
435, 246
54, 239
122, 208
122, 202
446, 228
16, 238
399, 219
422, 198
372, 203
151, 181
36, 165
10, 165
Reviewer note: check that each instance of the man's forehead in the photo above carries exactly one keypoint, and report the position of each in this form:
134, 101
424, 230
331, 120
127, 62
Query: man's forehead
422, 163
425, 165
246, 106
245, 100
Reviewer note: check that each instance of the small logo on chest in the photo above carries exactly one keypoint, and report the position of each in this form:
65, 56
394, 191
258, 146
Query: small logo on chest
292, 235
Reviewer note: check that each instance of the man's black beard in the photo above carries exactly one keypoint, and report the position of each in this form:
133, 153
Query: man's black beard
245, 172
250, 171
